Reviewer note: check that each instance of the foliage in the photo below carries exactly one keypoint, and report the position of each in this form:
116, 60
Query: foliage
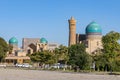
61, 54
3, 49
111, 49
44, 57
100, 61
79, 57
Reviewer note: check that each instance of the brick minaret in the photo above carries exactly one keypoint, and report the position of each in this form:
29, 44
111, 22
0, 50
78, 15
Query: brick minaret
72, 31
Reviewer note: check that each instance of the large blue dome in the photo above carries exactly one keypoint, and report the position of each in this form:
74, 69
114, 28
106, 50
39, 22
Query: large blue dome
43, 40
13, 40
93, 28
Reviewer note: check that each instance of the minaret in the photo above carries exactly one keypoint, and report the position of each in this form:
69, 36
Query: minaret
72, 31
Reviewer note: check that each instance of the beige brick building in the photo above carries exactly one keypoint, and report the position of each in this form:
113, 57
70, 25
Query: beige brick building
29, 46
92, 38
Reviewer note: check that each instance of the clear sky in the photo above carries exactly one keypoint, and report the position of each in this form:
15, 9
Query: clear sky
49, 18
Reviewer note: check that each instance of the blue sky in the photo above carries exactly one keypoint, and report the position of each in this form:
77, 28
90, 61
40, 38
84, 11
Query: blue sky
49, 18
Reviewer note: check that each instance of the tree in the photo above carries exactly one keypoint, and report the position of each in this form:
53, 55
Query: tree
3, 49
100, 61
44, 57
79, 57
61, 54
111, 48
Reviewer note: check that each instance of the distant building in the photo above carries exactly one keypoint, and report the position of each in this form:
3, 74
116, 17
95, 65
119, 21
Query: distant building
52, 46
17, 55
92, 38
29, 46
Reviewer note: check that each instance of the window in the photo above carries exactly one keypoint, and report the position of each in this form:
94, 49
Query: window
86, 44
97, 43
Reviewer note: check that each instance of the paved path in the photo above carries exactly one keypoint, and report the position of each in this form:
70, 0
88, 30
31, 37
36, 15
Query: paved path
14, 74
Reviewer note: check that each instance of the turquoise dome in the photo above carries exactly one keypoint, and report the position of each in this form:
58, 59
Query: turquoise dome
13, 40
93, 28
43, 40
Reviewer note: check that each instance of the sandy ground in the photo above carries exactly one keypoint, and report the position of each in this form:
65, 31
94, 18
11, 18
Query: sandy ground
15, 74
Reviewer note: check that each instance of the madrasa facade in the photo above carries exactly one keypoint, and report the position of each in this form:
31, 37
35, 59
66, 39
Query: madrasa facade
92, 37
29, 46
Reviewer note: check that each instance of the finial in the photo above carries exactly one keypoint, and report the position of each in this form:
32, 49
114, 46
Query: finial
72, 18
93, 21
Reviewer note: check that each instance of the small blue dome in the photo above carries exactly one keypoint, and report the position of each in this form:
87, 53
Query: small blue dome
93, 28
13, 40
43, 40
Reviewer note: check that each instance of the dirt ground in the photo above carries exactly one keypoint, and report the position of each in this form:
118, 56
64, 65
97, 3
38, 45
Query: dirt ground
17, 74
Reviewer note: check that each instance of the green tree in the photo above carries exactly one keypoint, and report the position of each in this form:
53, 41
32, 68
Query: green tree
3, 49
100, 61
79, 57
44, 57
111, 48
61, 54
56, 55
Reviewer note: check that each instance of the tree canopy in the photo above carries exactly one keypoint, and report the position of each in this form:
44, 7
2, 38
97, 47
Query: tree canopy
78, 56
44, 57
3, 49
111, 48
61, 54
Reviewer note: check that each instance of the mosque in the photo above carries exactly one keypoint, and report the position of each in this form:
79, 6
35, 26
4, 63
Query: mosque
29, 46
92, 38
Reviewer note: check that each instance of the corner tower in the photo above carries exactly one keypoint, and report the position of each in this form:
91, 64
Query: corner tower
72, 31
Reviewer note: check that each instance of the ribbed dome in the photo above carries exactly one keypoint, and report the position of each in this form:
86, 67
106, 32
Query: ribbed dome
13, 40
43, 40
93, 28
